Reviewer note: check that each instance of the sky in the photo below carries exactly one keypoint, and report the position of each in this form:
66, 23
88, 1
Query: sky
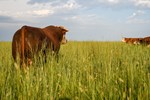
87, 20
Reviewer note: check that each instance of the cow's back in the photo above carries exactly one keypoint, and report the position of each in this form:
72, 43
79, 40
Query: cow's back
53, 34
34, 37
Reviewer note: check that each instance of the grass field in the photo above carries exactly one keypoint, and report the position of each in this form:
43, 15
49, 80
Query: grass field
85, 71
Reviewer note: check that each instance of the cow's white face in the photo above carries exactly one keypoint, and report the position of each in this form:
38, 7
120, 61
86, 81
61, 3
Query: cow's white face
64, 30
64, 40
123, 40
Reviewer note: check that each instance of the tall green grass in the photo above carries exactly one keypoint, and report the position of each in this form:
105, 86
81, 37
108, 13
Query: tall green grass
85, 71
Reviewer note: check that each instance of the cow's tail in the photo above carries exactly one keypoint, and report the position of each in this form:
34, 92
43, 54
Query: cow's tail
14, 49
23, 45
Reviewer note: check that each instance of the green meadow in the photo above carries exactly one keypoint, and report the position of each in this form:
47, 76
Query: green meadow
85, 71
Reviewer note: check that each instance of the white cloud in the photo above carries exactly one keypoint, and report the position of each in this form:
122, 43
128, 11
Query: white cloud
110, 2
136, 18
56, 4
113, 1
136, 14
42, 12
27, 14
142, 3
135, 3
4, 13
10, 15
84, 19
71, 4
50, 9
63, 7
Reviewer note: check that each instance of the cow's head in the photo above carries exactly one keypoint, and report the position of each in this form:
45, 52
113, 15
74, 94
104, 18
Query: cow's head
124, 40
63, 32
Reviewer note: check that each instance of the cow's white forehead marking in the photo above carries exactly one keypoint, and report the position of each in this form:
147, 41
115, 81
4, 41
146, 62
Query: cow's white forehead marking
123, 40
62, 27
64, 40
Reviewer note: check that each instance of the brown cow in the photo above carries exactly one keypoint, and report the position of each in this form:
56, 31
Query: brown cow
132, 40
29, 41
146, 41
143, 41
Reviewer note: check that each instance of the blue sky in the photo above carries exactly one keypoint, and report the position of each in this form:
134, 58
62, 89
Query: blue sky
99, 20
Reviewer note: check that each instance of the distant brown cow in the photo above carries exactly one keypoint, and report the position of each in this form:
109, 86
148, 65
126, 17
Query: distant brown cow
146, 41
29, 41
132, 40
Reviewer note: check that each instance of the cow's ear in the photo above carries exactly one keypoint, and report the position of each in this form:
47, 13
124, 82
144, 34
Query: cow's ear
63, 28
